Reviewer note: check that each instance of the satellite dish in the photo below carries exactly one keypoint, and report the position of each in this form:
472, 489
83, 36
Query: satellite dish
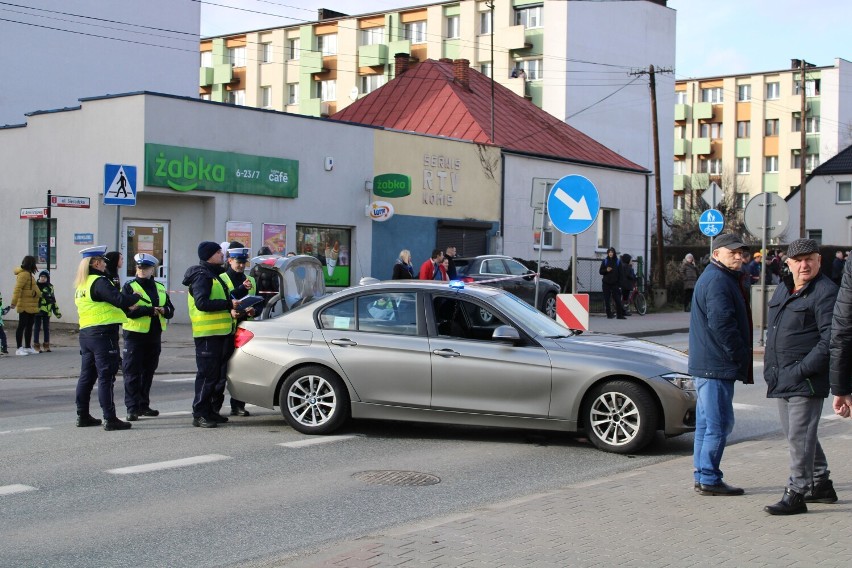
353, 94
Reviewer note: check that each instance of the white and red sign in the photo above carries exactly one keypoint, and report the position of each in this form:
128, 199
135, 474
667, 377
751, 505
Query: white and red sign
69, 201
572, 311
380, 211
34, 213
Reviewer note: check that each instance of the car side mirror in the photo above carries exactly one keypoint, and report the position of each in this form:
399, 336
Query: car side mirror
506, 333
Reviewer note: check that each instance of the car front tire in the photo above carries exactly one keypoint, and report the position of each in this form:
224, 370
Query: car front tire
549, 305
620, 417
314, 400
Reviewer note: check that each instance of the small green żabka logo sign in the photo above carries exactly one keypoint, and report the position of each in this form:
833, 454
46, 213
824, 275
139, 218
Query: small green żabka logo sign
392, 185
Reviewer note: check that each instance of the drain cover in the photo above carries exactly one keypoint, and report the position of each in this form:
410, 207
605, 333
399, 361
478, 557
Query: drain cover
391, 477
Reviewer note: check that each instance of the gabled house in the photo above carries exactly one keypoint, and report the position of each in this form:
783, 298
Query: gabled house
828, 203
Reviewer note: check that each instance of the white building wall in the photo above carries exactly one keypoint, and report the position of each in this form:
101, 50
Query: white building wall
52, 68
823, 211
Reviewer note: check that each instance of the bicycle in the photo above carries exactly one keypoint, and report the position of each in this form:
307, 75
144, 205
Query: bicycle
637, 298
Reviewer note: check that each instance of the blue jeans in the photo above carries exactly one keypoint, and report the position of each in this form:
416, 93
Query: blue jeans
714, 421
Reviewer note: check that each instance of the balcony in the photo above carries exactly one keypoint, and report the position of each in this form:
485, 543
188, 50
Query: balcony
681, 182
681, 147
701, 146
681, 112
513, 37
372, 55
702, 111
399, 46
205, 77
223, 74
311, 62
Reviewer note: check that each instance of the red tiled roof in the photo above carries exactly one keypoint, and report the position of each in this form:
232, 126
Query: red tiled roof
427, 99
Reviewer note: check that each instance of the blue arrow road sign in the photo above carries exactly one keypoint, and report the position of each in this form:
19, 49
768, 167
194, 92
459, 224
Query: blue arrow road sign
711, 222
573, 204
119, 184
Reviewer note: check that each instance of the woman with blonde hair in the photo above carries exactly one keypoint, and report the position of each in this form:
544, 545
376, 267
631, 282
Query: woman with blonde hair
402, 268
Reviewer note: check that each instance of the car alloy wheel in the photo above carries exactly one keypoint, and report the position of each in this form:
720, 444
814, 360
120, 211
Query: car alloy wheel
314, 400
620, 417
549, 306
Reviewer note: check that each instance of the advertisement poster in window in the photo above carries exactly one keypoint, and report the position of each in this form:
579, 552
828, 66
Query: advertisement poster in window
331, 246
275, 237
238, 231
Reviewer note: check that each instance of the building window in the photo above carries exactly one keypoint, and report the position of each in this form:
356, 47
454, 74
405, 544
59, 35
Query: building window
711, 130
811, 87
372, 36
679, 201
532, 67
844, 192
205, 96
773, 91
679, 132
815, 234
266, 97
528, 17
236, 97
314, 240
743, 165
743, 129
811, 123
453, 27
771, 127
713, 166
38, 241
415, 32
712, 95
370, 83
207, 59
485, 22
770, 165
605, 228
811, 162
741, 200
743, 93
678, 167
237, 56
327, 44
327, 90
485, 69
292, 93
552, 239
293, 49
680, 97
266, 53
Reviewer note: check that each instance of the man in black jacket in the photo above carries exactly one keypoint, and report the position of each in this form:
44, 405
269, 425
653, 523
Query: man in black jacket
610, 272
796, 363
840, 368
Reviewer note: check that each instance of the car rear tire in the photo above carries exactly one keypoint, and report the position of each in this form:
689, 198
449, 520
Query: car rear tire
549, 305
620, 417
314, 400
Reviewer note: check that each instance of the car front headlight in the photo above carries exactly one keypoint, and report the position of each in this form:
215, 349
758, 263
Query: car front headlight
680, 380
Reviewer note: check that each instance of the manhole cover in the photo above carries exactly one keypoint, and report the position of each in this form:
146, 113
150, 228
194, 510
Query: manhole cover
390, 477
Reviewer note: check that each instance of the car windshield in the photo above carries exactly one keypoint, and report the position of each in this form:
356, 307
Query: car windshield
529, 317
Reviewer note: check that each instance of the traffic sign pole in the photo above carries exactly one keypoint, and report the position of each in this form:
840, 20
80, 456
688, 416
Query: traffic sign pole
48, 229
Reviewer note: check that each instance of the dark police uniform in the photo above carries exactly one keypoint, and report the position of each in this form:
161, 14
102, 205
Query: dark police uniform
236, 290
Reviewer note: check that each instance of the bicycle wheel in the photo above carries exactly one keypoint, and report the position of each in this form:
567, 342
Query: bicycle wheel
640, 303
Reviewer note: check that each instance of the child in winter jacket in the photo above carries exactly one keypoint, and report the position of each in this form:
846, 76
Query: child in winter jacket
46, 306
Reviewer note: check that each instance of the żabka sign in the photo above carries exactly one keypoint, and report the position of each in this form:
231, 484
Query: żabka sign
392, 185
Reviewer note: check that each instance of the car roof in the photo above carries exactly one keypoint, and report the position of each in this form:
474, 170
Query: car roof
483, 257
432, 285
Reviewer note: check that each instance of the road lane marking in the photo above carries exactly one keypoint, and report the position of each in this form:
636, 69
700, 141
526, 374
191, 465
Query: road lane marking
17, 488
176, 413
743, 406
181, 380
315, 441
184, 462
25, 430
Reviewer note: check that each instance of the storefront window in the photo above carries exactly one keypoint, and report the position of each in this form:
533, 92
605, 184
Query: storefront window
331, 246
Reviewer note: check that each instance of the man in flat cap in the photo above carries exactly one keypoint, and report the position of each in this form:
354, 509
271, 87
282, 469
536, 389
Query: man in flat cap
720, 353
796, 372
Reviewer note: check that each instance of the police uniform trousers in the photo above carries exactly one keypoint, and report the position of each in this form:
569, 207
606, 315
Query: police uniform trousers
211, 358
100, 362
140, 358
219, 397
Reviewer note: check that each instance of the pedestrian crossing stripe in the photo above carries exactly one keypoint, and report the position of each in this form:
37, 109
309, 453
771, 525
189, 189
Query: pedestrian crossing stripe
119, 184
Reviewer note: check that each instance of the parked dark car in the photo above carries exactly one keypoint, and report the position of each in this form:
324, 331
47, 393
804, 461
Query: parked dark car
497, 270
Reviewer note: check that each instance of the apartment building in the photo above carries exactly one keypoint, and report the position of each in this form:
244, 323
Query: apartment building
744, 131
571, 58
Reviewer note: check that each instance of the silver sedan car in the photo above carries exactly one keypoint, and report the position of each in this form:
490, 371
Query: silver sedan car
458, 354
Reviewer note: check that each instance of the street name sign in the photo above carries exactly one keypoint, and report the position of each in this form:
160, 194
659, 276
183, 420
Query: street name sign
69, 201
34, 213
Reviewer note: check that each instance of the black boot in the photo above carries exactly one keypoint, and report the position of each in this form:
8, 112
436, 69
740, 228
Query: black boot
791, 503
822, 492
86, 419
113, 424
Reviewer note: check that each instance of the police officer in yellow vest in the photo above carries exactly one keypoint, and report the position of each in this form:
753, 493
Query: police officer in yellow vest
142, 335
239, 286
213, 315
101, 309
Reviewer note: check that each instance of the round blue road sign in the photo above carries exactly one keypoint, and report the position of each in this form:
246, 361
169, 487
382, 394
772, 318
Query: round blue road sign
573, 204
711, 222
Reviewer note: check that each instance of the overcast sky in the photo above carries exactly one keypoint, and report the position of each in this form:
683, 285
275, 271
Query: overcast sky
714, 37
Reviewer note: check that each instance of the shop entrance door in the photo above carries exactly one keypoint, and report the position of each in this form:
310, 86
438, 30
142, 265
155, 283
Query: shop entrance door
151, 237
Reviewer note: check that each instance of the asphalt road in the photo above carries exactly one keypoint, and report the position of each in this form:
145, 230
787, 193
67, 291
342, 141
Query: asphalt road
239, 496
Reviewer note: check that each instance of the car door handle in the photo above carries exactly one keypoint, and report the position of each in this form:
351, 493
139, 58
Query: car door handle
343, 342
446, 353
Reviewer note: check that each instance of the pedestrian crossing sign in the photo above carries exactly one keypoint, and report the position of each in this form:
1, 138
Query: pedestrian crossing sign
119, 184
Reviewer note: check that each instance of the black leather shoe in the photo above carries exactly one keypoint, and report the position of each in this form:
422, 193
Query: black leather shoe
116, 424
202, 422
822, 492
621, 318
720, 488
219, 418
239, 412
697, 487
791, 503
132, 417
85, 420
149, 412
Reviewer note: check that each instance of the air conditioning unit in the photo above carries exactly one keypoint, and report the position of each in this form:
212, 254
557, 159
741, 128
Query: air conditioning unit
324, 109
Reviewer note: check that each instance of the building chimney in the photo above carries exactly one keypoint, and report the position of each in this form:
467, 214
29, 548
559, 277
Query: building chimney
400, 63
795, 63
445, 60
461, 72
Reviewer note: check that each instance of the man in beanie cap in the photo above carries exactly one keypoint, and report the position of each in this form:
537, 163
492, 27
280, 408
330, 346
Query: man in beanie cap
796, 372
212, 314
720, 338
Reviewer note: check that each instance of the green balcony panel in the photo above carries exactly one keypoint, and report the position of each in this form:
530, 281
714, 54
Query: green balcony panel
310, 107
399, 46
680, 182
205, 76
535, 90
678, 215
452, 48
742, 147
702, 111
372, 55
770, 182
681, 112
681, 147
701, 146
534, 38
311, 61
223, 73
700, 181
812, 140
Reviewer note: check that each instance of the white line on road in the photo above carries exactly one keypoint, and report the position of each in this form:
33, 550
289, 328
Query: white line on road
176, 413
25, 430
315, 441
148, 467
742, 406
17, 488
181, 380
